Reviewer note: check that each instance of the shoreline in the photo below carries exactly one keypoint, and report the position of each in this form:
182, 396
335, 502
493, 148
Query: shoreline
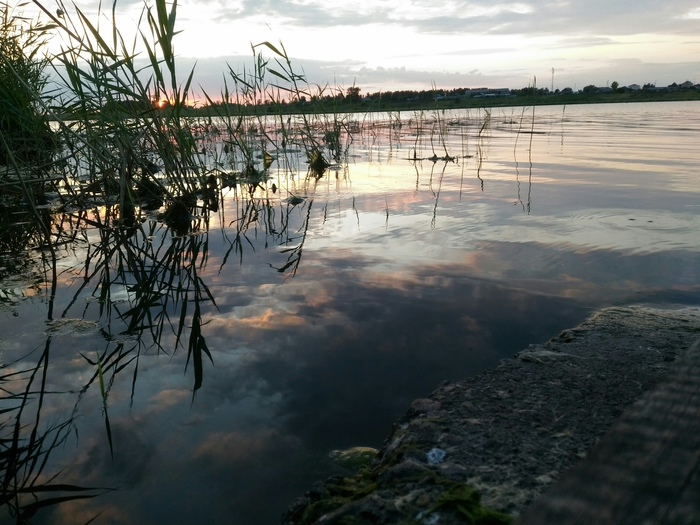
510, 432
323, 107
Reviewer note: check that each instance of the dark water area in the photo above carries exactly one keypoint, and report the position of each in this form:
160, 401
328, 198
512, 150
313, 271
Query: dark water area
236, 358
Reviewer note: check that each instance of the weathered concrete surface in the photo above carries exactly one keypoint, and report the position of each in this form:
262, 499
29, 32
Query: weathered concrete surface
647, 467
513, 431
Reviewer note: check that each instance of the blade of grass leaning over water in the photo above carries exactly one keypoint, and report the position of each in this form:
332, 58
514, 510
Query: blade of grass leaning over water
26, 445
103, 393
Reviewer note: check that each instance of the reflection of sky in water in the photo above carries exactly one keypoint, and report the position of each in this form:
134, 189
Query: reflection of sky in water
409, 275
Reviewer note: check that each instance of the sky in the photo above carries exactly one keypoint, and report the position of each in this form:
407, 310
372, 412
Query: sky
387, 45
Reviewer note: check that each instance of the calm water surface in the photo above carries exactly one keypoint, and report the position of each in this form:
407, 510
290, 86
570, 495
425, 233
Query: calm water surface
327, 315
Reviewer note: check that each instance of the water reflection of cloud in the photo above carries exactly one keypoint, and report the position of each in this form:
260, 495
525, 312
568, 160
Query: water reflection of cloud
77, 512
222, 450
372, 337
166, 398
382, 343
184, 474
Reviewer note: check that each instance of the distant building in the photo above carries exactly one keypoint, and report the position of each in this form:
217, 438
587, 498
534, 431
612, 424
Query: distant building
634, 87
687, 85
447, 97
490, 92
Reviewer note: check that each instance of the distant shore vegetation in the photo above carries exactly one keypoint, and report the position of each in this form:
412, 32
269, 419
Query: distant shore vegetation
353, 100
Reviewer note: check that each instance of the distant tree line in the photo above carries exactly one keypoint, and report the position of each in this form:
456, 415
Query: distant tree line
327, 99
353, 94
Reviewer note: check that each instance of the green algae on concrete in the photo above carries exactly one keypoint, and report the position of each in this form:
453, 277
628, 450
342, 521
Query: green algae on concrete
354, 458
416, 494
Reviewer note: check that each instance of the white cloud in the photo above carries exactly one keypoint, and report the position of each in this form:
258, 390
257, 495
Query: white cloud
693, 14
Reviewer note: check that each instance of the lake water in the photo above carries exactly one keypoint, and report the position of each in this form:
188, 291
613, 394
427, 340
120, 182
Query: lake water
329, 305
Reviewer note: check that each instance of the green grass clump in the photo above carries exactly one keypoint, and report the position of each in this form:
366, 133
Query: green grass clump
466, 501
25, 135
340, 501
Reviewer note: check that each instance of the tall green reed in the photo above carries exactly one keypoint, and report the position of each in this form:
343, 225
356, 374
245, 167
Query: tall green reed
24, 129
115, 138
27, 144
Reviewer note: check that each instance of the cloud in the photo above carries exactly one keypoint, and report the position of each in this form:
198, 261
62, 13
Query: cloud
540, 17
693, 14
392, 45
562, 18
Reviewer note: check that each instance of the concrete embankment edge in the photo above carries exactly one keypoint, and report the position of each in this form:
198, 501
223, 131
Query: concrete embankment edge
511, 432
645, 469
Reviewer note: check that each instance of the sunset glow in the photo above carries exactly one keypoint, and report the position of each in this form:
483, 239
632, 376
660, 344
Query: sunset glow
389, 45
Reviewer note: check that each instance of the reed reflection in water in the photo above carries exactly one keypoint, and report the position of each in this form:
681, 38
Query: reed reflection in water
153, 375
